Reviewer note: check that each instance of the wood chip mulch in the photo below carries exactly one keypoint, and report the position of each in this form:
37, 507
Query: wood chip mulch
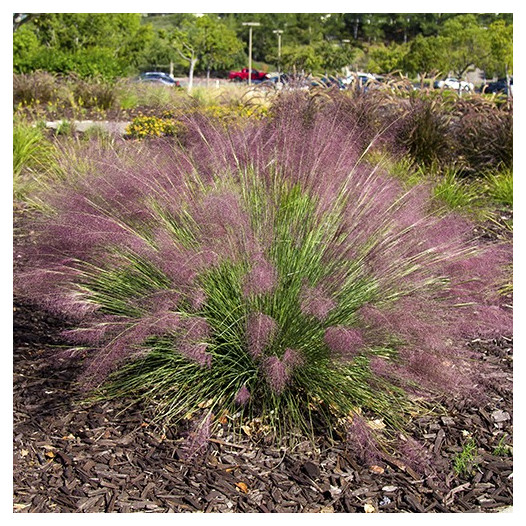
106, 457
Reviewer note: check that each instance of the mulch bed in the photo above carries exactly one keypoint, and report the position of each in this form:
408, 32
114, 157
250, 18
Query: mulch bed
109, 457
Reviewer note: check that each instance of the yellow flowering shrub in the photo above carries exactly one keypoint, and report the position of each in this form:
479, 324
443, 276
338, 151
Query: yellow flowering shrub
144, 126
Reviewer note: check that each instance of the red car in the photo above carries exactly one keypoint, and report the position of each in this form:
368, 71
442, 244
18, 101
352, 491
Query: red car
239, 76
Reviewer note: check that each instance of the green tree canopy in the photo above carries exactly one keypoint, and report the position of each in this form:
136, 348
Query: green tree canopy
110, 44
500, 61
467, 43
386, 59
426, 56
207, 42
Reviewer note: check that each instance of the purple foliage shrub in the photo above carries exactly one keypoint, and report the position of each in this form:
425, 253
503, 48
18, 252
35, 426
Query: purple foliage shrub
266, 268
484, 138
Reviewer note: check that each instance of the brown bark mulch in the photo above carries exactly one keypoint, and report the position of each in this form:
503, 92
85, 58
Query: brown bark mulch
108, 457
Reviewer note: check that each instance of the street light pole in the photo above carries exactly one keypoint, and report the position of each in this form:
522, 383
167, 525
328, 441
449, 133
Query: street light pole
250, 25
279, 32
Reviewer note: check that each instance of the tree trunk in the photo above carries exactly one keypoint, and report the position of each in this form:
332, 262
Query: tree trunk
193, 62
508, 83
207, 76
355, 28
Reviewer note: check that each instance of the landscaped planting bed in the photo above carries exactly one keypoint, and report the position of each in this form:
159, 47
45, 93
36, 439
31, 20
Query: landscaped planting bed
256, 317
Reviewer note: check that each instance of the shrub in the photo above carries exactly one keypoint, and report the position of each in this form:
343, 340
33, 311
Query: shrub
29, 146
32, 156
144, 126
264, 271
424, 132
454, 191
34, 88
94, 93
484, 138
499, 187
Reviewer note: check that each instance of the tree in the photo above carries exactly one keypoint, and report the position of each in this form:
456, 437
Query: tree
22, 18
73, 41
467, 43
334, 56
205, 40
301, 58
500, 61
425, 57
220, 47
385, 59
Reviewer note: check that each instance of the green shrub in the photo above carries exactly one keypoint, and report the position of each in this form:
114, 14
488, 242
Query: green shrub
454, 191
499, 187
32, 157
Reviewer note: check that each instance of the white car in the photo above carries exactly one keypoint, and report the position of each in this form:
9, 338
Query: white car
455, 84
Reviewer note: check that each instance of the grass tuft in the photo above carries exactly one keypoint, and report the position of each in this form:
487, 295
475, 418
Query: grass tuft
264, 272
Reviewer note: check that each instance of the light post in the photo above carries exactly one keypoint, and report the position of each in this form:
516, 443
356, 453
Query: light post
250, 25
279, 32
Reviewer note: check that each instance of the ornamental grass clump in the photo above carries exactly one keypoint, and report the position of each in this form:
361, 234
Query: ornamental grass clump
265, 272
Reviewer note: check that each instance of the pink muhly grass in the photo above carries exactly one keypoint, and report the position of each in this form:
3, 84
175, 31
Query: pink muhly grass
361, 441
242, 396
197, 438
192, 343
380, 367
161, 301
344, 341
261, 279
124, 344
278, 371
260, 330
197, 299
292, 358
415, 455
223, 225
167, 217
314, 301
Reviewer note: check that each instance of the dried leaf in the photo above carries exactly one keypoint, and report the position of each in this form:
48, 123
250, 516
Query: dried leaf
206, 405
247, 430
242, 486
377, 424
369, 508
49, 454
376, 469
24, 452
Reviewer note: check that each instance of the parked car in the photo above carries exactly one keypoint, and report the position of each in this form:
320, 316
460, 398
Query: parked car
158, 77
499, 86
360, 80
240, 76
454, 84
329, 82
